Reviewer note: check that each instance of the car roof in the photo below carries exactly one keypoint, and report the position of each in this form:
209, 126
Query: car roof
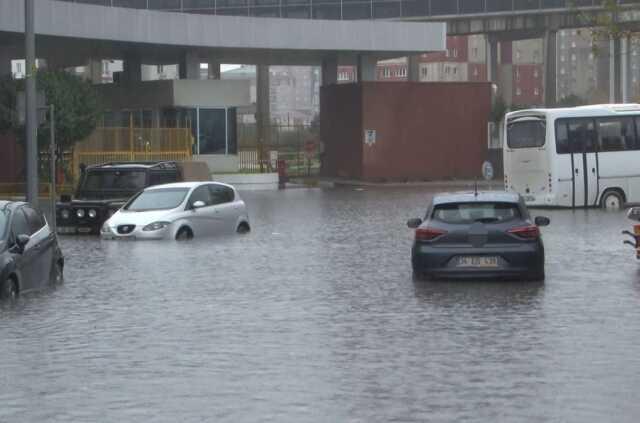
186, 185
480, 196
11, 204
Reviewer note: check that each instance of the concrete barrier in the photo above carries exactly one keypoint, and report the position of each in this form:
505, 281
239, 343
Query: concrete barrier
248, 181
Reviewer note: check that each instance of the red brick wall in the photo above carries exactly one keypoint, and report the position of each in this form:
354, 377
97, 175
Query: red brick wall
11, 160
341, 130
424, 131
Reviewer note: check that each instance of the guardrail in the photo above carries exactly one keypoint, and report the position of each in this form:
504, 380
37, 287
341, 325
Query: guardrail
342, 9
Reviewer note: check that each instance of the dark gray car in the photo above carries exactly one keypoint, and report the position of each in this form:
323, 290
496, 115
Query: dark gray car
478, 235
30, 257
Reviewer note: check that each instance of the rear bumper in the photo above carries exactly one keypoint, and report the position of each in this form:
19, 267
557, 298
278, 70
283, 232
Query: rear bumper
520, 261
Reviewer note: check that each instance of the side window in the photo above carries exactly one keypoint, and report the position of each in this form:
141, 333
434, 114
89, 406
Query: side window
19, 225
221, 194
576, 136
616, 134
562, 138
203, 194
34, 220
159, 178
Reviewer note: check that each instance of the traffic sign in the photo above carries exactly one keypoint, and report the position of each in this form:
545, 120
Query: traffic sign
487, 171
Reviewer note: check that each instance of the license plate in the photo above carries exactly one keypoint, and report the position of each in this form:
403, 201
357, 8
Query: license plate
84, 230
477, 261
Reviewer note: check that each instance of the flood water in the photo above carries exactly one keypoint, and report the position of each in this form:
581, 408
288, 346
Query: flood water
314, 317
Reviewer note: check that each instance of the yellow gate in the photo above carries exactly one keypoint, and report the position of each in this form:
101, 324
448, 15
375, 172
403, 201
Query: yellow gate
132, 144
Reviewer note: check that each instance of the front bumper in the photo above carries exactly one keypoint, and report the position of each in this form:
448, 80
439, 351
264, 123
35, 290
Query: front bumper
518, 261
137, 234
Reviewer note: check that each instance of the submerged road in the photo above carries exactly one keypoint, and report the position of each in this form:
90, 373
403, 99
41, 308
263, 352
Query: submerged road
314, 317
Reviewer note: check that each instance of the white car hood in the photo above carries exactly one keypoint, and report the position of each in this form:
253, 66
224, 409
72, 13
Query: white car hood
139, 218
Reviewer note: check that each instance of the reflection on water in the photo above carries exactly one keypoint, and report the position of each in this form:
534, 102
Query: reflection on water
314, 316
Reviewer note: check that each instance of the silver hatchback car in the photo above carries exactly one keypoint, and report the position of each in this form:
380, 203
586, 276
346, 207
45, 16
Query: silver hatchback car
179, 211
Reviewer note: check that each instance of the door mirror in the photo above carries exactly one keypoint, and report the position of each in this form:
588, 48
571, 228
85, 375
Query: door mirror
21, 242
542, 221
414, 223
198, 204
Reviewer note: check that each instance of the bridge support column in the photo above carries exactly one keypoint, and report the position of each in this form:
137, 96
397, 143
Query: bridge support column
189, 66
614, 71
93, 71
550, 77
366, 68
131, 69
5, 63
625, 70
413, 68
263, 109
214, 71
329, 71
492, 59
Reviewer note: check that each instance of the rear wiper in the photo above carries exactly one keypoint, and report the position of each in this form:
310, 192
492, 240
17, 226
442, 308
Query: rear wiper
487, 220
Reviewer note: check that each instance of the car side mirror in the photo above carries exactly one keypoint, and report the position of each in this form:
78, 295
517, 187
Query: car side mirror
414, 223
198, 204
542, 221
21, 241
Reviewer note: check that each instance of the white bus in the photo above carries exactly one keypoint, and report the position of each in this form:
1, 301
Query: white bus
586, 156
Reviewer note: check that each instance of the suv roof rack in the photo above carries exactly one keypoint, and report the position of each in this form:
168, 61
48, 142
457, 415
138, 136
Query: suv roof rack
165, 164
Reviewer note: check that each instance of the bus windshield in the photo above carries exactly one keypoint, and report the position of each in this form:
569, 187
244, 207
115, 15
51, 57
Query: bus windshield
528, 133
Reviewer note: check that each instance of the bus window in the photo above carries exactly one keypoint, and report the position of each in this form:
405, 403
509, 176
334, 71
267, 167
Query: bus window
616, 134
575, 136
562, 138
526, 134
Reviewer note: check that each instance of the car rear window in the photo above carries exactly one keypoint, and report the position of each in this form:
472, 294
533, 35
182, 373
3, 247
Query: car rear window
485, 212
125, 180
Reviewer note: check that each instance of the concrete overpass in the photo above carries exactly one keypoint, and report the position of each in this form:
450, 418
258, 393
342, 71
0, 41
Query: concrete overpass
499, 20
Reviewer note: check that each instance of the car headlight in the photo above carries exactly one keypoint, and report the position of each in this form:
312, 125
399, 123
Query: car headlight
65, 214
80, 213
105, 228
92, 213
156, 226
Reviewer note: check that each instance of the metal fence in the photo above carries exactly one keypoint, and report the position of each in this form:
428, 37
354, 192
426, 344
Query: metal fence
132, 144
298, 145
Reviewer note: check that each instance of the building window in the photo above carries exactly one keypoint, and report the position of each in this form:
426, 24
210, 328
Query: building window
536, 91
535, 73
518, 91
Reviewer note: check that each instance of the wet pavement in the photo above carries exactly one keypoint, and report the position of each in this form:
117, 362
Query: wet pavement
314, 317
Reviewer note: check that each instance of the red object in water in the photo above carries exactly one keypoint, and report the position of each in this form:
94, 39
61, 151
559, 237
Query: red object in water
282, 172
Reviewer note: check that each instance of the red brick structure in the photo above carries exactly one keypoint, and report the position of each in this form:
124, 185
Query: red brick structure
423, 131
11, 160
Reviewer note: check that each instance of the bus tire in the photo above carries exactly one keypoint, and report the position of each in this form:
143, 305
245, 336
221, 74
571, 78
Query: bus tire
612, 200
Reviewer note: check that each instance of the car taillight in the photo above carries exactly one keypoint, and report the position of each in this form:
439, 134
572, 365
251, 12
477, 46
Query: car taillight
428, 234
526, 232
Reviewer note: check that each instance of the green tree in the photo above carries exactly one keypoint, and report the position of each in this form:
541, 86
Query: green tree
77, 107
571, 100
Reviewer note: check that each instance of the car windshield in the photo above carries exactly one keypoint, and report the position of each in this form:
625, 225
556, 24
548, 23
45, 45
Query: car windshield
486, 212
124, 180
526, 134
4, 221
158, 199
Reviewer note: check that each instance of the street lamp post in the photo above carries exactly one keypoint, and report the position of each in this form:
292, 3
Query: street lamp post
30, 101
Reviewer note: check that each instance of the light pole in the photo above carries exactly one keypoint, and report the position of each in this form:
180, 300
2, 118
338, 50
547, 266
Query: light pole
30, 102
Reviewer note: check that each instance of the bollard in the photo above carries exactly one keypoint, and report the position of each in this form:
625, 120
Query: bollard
282, 173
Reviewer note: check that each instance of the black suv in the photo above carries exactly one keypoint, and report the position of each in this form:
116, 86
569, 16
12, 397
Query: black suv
104, 188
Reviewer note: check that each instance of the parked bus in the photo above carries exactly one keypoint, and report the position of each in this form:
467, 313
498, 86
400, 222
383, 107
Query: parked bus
586, 156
